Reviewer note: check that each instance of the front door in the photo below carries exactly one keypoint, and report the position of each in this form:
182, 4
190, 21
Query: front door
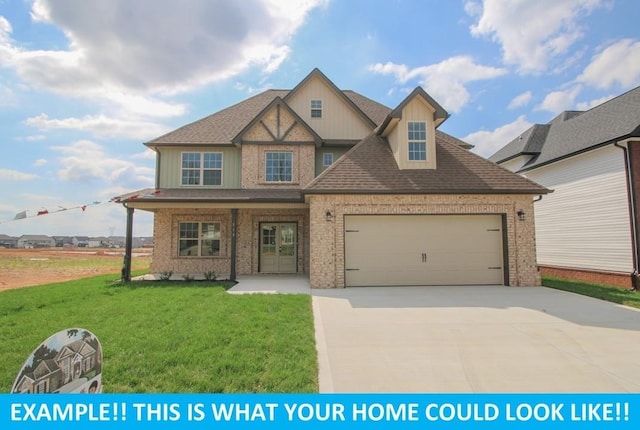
278, 247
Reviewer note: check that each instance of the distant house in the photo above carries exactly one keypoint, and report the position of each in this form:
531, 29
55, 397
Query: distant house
35, 241
80, 241
587, 229
63, 241
98, 242
8, 241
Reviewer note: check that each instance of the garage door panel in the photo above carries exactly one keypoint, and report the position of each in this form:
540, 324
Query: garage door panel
423, 250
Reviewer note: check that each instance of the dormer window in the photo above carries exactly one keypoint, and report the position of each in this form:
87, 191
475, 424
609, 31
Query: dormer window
316, 108
417, 138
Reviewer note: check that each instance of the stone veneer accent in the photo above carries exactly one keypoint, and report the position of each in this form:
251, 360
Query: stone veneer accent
165, 253
327, 246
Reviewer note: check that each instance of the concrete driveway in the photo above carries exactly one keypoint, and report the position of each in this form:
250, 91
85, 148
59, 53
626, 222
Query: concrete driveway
474, 339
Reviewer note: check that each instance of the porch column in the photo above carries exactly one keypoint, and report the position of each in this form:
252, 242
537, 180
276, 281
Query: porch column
234, 238
126, 266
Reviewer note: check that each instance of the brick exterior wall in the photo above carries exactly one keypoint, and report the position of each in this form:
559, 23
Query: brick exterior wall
607, 278
327, 246
253, 165
166, 224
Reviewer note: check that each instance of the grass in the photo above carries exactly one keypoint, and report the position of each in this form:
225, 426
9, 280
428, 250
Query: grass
603, 292
168, 337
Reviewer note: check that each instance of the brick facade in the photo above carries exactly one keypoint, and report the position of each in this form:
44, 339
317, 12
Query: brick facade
327, 246
166, 224
253, 165
591, 276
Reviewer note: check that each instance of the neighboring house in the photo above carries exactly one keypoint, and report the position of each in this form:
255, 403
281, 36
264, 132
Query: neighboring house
98, 242
588, 228
62, 241
35, 241
329, 183
8, 241
80, 241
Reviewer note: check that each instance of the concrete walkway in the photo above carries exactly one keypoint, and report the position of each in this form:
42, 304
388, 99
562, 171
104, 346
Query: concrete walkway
474, 339
271, 284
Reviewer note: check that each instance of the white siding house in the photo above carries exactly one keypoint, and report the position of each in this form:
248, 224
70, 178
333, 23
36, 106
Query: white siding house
587, 228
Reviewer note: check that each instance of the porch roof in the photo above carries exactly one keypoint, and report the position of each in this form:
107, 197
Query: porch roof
208, 195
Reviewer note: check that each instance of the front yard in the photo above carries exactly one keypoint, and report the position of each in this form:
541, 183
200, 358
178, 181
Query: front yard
602, 292
171, 337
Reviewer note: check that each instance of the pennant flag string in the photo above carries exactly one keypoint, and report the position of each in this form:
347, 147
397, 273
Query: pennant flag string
44, 211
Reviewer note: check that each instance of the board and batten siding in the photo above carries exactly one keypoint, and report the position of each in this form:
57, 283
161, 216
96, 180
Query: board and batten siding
584, 223
339, 120
171, 166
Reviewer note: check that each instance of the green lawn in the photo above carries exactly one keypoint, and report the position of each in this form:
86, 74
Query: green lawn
602, 292
168, 337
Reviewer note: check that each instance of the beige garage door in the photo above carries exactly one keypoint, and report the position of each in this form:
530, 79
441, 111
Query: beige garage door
423, 250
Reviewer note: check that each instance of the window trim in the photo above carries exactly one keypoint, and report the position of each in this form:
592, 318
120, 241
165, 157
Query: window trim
324, 162
318, 108
266, 167
201, 170
199, 239
414, 141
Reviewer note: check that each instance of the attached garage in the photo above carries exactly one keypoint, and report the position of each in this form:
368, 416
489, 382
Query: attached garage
390, 250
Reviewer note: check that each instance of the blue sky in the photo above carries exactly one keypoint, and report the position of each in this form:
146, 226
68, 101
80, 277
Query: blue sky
84, 83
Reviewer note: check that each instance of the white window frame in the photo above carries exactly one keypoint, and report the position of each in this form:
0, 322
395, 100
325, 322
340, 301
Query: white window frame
267, 167
201, 169
414, 140
316, 109
324, 159
199, 239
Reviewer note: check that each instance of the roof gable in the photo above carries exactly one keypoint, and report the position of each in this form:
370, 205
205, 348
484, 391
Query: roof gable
439, 114
280, 123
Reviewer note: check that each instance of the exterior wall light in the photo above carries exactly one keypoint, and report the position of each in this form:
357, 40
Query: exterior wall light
521, 215
329, 216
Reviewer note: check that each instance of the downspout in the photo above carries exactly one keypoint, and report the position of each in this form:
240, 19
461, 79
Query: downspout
635, 276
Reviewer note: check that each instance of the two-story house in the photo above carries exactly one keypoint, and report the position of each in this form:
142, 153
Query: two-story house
329, 183
588, 228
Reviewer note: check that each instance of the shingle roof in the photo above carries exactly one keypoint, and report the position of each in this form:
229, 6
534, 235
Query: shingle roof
370, 167
573, 132
172, 195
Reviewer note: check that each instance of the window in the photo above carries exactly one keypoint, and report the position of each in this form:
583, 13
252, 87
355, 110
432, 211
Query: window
199, 239
278, 166
417, 137
202, 168
327, 159
316, 108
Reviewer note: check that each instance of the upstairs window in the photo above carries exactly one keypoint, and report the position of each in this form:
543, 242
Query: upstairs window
327, 159
202, 168
278, 166
316, 108
417, 138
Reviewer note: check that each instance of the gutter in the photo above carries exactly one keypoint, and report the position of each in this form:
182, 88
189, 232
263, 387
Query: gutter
635, 276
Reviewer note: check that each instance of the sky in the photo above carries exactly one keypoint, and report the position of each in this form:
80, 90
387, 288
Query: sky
83, 84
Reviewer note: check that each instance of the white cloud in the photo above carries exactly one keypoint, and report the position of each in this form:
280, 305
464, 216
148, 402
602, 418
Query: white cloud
85, 161
593, 103
154, 46
532, 34
488, 142
101, 126
618, 63
40, 162
444, 81
14, 175
521, 100
559, 101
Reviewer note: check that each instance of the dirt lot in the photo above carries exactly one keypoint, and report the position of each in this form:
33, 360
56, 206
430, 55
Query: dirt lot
29, 267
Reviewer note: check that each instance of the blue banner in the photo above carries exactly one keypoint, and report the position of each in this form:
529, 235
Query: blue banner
320, 411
